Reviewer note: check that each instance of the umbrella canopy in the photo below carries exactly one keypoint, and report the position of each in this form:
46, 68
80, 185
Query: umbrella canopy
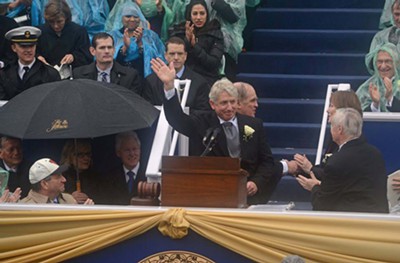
75, 109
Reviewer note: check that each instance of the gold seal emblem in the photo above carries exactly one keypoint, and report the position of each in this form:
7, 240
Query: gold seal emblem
58, 125
176, 257
27, 34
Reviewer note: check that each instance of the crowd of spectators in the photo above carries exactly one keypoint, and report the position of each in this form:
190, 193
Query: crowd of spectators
109, 41
122, 42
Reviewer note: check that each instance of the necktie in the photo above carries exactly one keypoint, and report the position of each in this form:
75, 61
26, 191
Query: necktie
104, 77
26, 70
232, 139
130, 181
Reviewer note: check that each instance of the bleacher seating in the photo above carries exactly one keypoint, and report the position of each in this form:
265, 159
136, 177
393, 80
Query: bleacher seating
299, 47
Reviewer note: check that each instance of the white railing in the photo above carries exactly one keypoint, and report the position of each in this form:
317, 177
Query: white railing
165, 141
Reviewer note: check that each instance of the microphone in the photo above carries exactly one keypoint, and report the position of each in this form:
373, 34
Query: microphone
208, 133
212, 141
215, 133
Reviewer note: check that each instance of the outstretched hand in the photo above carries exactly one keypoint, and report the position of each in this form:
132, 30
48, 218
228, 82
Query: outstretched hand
308, 183
166, 73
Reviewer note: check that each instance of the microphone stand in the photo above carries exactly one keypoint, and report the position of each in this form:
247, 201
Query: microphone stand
209, 147
211, 143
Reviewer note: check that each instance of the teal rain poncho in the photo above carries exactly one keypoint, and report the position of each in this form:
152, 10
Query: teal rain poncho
114, 19
370, 61
90, 14
114, 22
153, 47
38, 6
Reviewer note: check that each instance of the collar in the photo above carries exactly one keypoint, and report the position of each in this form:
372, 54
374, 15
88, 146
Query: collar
340, 146
21, 66
233, 121
43, 199
180, 72
107, 70
135, 170
8, 168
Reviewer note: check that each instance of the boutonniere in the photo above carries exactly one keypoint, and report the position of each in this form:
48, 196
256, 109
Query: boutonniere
248, 133
326, 157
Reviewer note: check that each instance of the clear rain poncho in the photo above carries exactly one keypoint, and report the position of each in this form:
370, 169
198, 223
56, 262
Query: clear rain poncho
386, 19
233, 39
252, 3
149, 9
391, 34
370, 61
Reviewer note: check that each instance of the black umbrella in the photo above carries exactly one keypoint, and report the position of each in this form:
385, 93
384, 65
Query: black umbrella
75, 109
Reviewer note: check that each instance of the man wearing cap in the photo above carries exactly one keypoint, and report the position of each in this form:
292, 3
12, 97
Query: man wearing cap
48, 183
27, 71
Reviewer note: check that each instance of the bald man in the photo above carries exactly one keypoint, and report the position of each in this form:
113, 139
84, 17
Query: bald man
248, 100
247, 105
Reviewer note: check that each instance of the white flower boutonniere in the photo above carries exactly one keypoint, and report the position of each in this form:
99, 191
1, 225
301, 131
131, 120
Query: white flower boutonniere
248, 133
326, 157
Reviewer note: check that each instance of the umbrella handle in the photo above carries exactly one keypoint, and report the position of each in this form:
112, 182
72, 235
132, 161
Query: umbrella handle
78, 185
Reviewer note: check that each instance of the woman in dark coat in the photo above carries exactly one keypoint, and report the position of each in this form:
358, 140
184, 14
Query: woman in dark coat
62, 41
204, 41
81, 181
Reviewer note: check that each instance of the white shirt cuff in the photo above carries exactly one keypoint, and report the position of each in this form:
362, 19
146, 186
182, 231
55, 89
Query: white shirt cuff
373, 109
169, 93
285, 167
389, 103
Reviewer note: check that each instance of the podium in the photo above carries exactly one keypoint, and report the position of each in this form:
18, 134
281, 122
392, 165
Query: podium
193, 181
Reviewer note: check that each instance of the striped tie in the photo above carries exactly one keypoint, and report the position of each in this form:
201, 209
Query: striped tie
104, 77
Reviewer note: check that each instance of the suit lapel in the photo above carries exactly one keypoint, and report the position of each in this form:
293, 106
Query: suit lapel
241, 124
221, 147
114, 76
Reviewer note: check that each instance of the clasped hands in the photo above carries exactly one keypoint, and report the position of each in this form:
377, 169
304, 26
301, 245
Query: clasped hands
189, 33
305, 165
376, 96
137, 33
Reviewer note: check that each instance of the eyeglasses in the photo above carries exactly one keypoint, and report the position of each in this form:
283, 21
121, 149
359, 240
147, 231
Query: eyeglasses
83, 154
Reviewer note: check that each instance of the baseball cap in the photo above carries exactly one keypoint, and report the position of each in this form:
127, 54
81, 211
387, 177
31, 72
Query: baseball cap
43, 168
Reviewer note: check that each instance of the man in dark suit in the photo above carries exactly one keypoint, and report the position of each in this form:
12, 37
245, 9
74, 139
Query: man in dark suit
355, 176
105, 68
240, 136
199, 88
27, 71
247, 105
12, 161
123, 181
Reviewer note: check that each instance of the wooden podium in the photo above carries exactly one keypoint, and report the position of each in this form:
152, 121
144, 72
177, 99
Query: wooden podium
203, 182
